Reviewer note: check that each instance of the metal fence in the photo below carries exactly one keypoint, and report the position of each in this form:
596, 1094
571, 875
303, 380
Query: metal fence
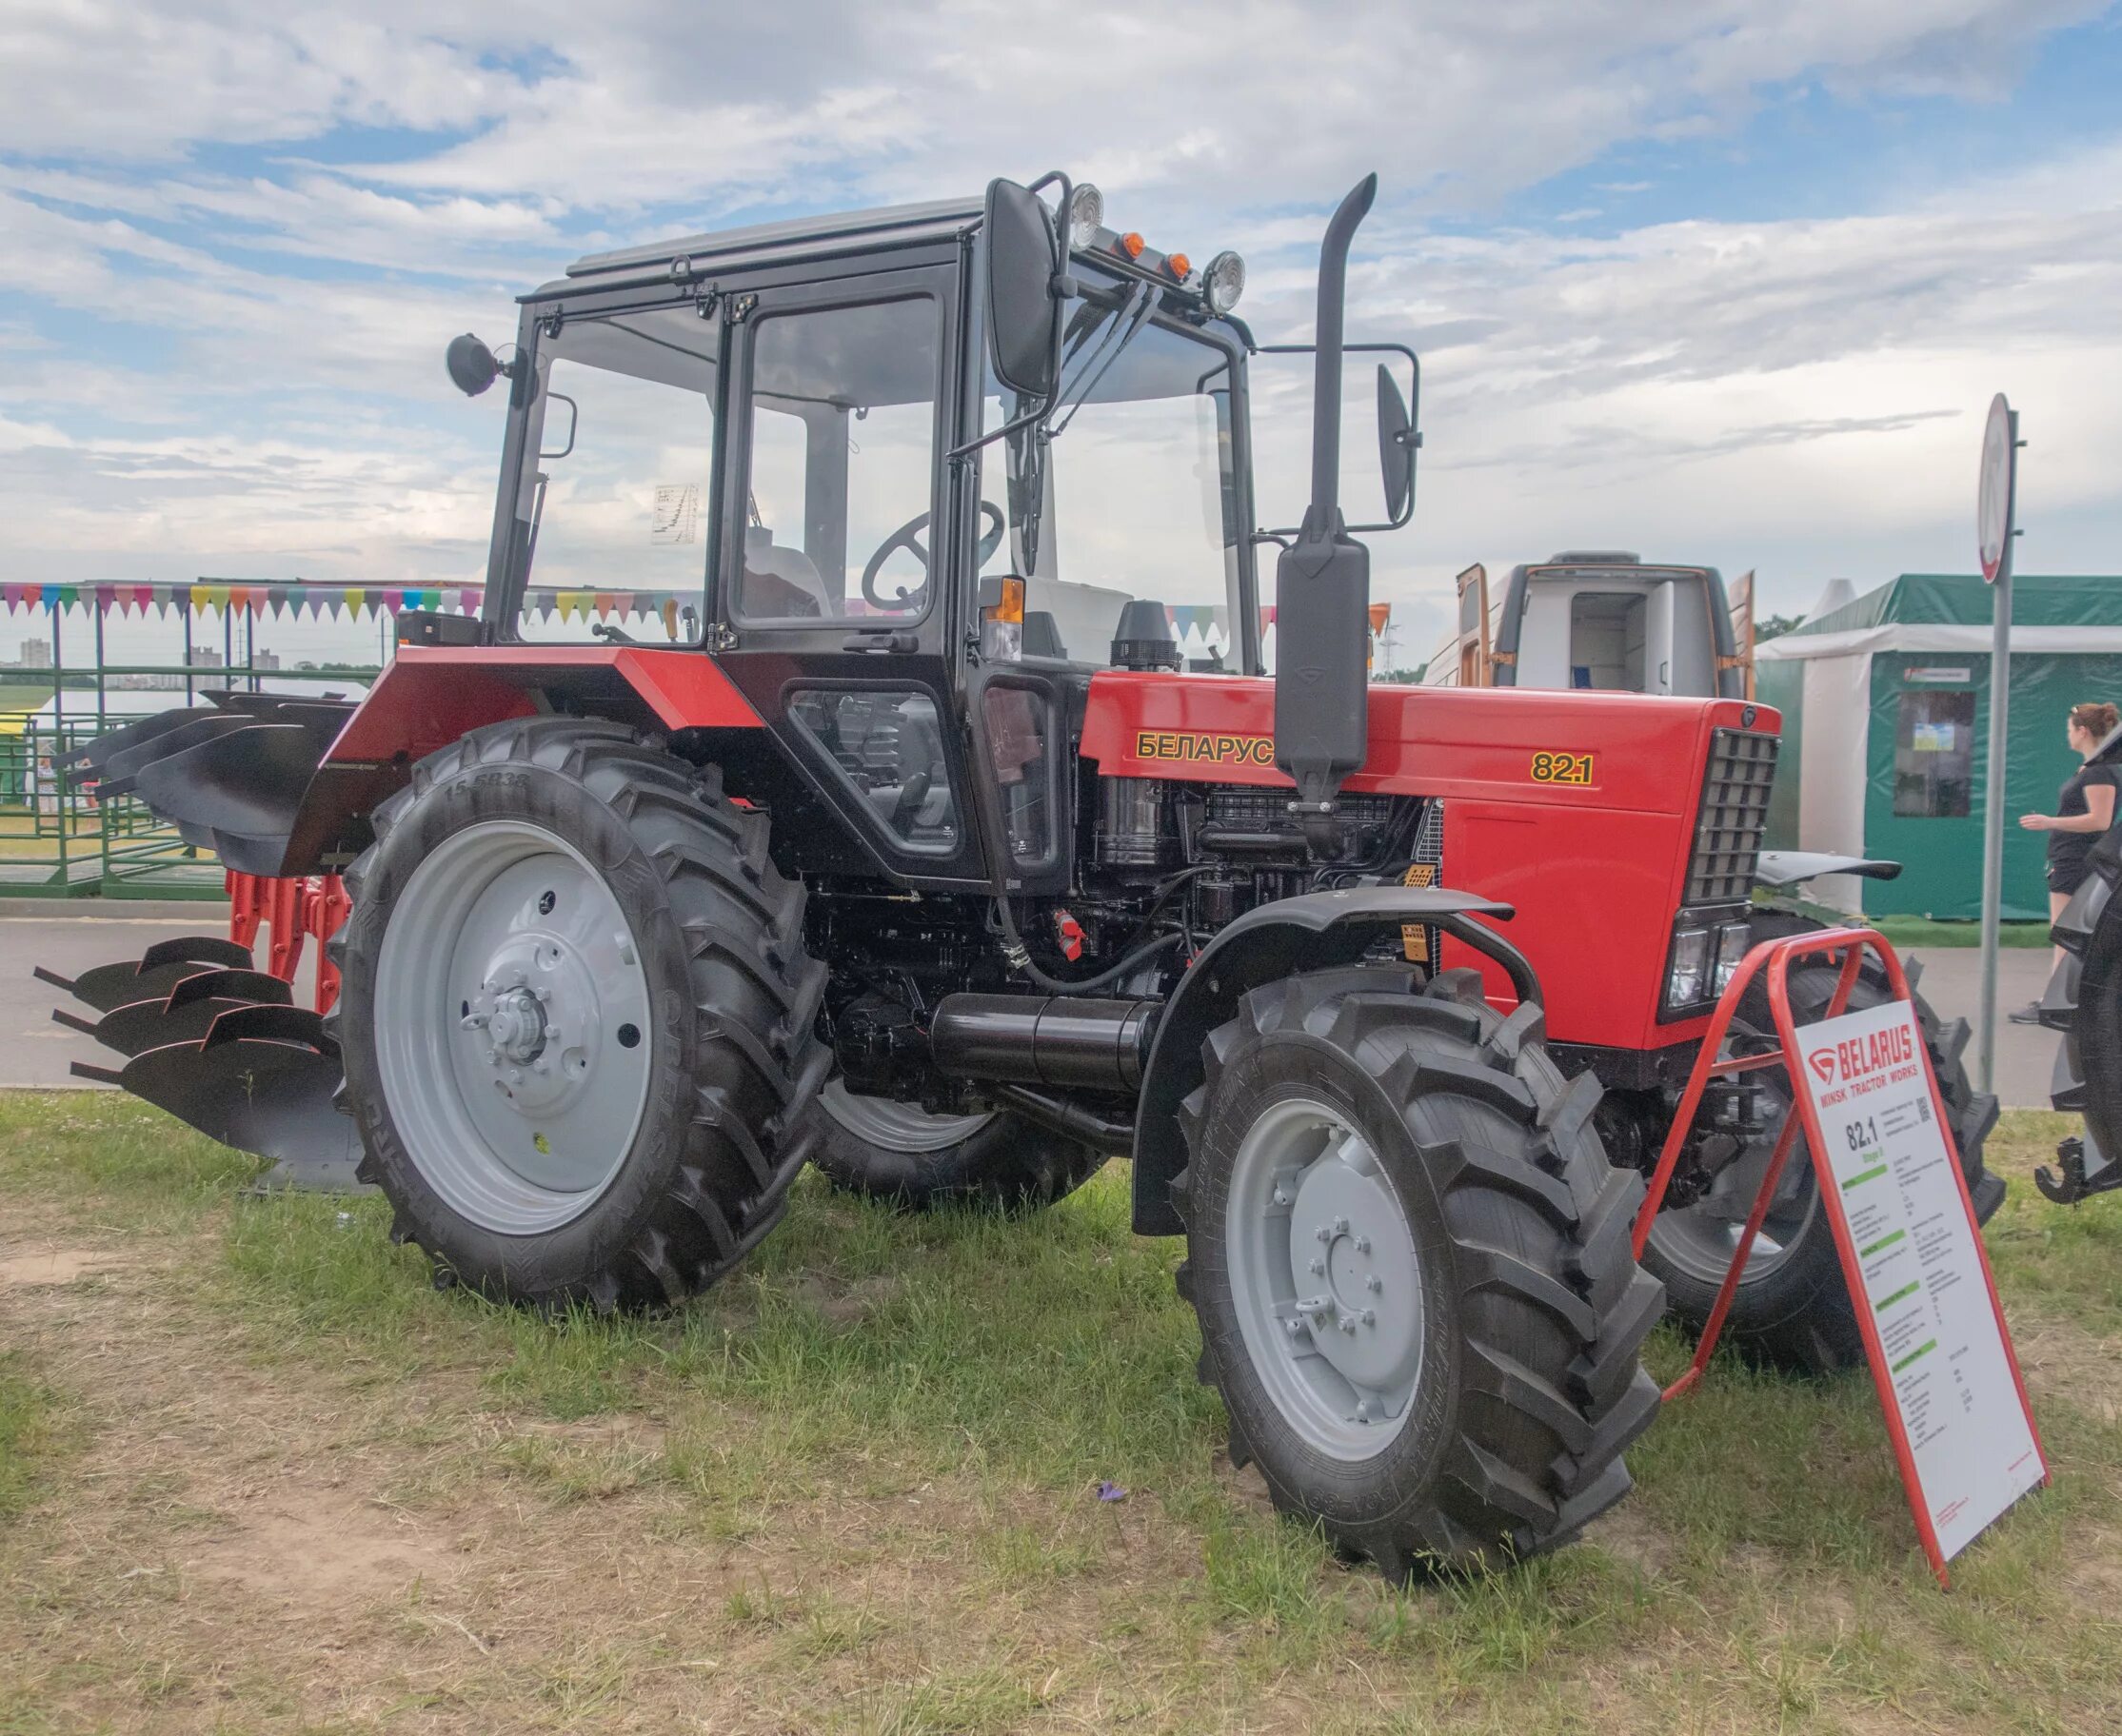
57, 840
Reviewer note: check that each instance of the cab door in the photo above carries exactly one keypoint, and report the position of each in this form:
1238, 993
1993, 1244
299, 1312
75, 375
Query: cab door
834, 610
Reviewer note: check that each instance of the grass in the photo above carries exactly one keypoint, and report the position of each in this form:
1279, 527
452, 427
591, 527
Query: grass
32, 1434
1906, 931
853, 1489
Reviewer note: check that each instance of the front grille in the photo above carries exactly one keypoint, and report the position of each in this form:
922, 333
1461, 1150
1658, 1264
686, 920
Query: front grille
1734, 815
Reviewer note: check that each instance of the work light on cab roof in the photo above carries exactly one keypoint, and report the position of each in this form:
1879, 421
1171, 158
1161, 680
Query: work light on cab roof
1219, 286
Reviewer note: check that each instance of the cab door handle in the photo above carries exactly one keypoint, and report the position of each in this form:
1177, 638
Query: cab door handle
881, 641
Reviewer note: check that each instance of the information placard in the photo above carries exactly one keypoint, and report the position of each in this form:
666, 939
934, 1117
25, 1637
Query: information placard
1947, 1376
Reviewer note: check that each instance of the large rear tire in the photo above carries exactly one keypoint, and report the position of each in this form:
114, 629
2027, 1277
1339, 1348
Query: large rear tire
899, 1153
577, 1019
1443, 1369
1791, 1307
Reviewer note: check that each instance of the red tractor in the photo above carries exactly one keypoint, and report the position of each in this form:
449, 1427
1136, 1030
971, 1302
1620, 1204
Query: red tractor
881, 820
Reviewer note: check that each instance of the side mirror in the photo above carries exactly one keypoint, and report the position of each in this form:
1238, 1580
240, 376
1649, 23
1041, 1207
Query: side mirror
1396, 446
471, 364
1024, 310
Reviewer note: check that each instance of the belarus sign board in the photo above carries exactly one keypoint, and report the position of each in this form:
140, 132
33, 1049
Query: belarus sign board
1933, 1327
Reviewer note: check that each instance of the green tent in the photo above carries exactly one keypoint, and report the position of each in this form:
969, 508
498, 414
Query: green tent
1886, 729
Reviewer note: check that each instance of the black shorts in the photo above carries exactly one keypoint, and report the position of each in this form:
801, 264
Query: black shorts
2066, 877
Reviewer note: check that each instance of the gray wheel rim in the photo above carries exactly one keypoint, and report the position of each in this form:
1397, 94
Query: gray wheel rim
513, 1038
1700, 1238
1326, 1280
894, 1126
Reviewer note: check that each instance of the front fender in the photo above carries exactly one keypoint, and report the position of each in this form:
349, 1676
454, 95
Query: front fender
1781, 868
1316, 931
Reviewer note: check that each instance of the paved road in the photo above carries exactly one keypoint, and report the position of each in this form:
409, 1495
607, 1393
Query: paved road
33, 1050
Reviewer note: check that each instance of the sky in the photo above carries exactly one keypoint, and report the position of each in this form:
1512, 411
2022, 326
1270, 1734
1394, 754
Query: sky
1719, 281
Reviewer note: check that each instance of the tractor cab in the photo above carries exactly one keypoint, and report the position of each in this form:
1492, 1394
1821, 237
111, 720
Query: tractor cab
889, 470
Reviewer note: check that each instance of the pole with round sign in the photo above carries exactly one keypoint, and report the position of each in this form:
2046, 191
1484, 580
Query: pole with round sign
1994, 530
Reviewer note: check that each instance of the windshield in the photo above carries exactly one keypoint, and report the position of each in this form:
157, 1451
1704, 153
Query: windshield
615, 490
1137, 498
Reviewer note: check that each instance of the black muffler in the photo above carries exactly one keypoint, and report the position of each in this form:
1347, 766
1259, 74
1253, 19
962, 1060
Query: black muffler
1322, 583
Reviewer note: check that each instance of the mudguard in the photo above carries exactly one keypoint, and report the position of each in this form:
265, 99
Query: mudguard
1316, 931
1780, 868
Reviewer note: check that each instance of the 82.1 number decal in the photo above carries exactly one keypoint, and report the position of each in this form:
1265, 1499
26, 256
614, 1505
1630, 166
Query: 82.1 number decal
1561, 768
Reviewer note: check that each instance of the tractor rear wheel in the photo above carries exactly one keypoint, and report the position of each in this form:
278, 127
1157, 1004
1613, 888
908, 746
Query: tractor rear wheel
576, 1015
1410, 1261
1791, 1307
898, 1152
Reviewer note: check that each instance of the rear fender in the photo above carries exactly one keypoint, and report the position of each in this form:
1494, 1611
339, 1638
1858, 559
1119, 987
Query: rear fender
1316, 931
434, 695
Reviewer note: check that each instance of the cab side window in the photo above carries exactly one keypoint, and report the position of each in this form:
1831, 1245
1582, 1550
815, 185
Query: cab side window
843, 459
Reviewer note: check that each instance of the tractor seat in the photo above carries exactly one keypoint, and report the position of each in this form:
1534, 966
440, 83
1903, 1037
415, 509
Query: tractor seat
780, 581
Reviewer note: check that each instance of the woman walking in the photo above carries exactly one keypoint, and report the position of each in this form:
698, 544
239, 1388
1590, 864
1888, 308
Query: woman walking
2084, 809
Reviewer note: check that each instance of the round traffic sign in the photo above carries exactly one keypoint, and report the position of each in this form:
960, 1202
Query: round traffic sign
1993, 516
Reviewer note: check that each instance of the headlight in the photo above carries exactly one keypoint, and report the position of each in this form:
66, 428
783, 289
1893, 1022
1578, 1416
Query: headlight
1691, 958
1086, 214
1734, 942
1224, 281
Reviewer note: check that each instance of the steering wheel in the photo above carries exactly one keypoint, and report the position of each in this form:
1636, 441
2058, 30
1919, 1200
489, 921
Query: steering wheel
907, 537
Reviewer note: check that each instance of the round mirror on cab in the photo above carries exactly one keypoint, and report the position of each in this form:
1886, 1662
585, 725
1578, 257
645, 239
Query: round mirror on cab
472, 368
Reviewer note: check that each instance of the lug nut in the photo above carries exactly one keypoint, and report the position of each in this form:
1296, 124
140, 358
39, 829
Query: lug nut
1370, 1316
1348, 1325
1362, 1244
1341, 1226
1373, 1283
1319, 1269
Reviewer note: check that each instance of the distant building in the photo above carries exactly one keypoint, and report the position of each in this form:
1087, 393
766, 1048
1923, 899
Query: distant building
36, 654
265, 660
204, 658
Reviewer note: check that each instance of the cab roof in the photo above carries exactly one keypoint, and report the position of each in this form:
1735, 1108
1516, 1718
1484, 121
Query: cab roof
792, 238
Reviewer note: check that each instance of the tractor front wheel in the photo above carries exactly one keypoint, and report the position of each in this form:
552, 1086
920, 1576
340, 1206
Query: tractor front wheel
576, 1015
1410, 1262
1792, 1307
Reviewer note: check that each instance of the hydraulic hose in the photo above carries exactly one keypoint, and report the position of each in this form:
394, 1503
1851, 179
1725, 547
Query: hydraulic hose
1020, 959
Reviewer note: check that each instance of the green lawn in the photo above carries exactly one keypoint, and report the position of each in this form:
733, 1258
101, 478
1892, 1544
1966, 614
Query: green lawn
1907, 932
854, 1489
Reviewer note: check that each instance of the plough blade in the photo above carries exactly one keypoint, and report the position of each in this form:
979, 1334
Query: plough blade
263, 1079
229, 776
218, 1044
159, 970
184, 1015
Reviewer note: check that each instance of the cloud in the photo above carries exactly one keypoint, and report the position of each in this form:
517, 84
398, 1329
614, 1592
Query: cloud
224, 278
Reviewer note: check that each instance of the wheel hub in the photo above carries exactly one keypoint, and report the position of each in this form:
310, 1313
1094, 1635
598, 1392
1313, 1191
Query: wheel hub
1326, 1276
513, 1016
516, 1026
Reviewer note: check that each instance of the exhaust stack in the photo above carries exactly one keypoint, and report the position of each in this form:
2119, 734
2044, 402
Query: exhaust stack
1322, 581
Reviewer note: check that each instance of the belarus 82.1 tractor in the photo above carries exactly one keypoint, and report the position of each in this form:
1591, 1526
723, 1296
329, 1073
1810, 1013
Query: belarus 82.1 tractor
940, 872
